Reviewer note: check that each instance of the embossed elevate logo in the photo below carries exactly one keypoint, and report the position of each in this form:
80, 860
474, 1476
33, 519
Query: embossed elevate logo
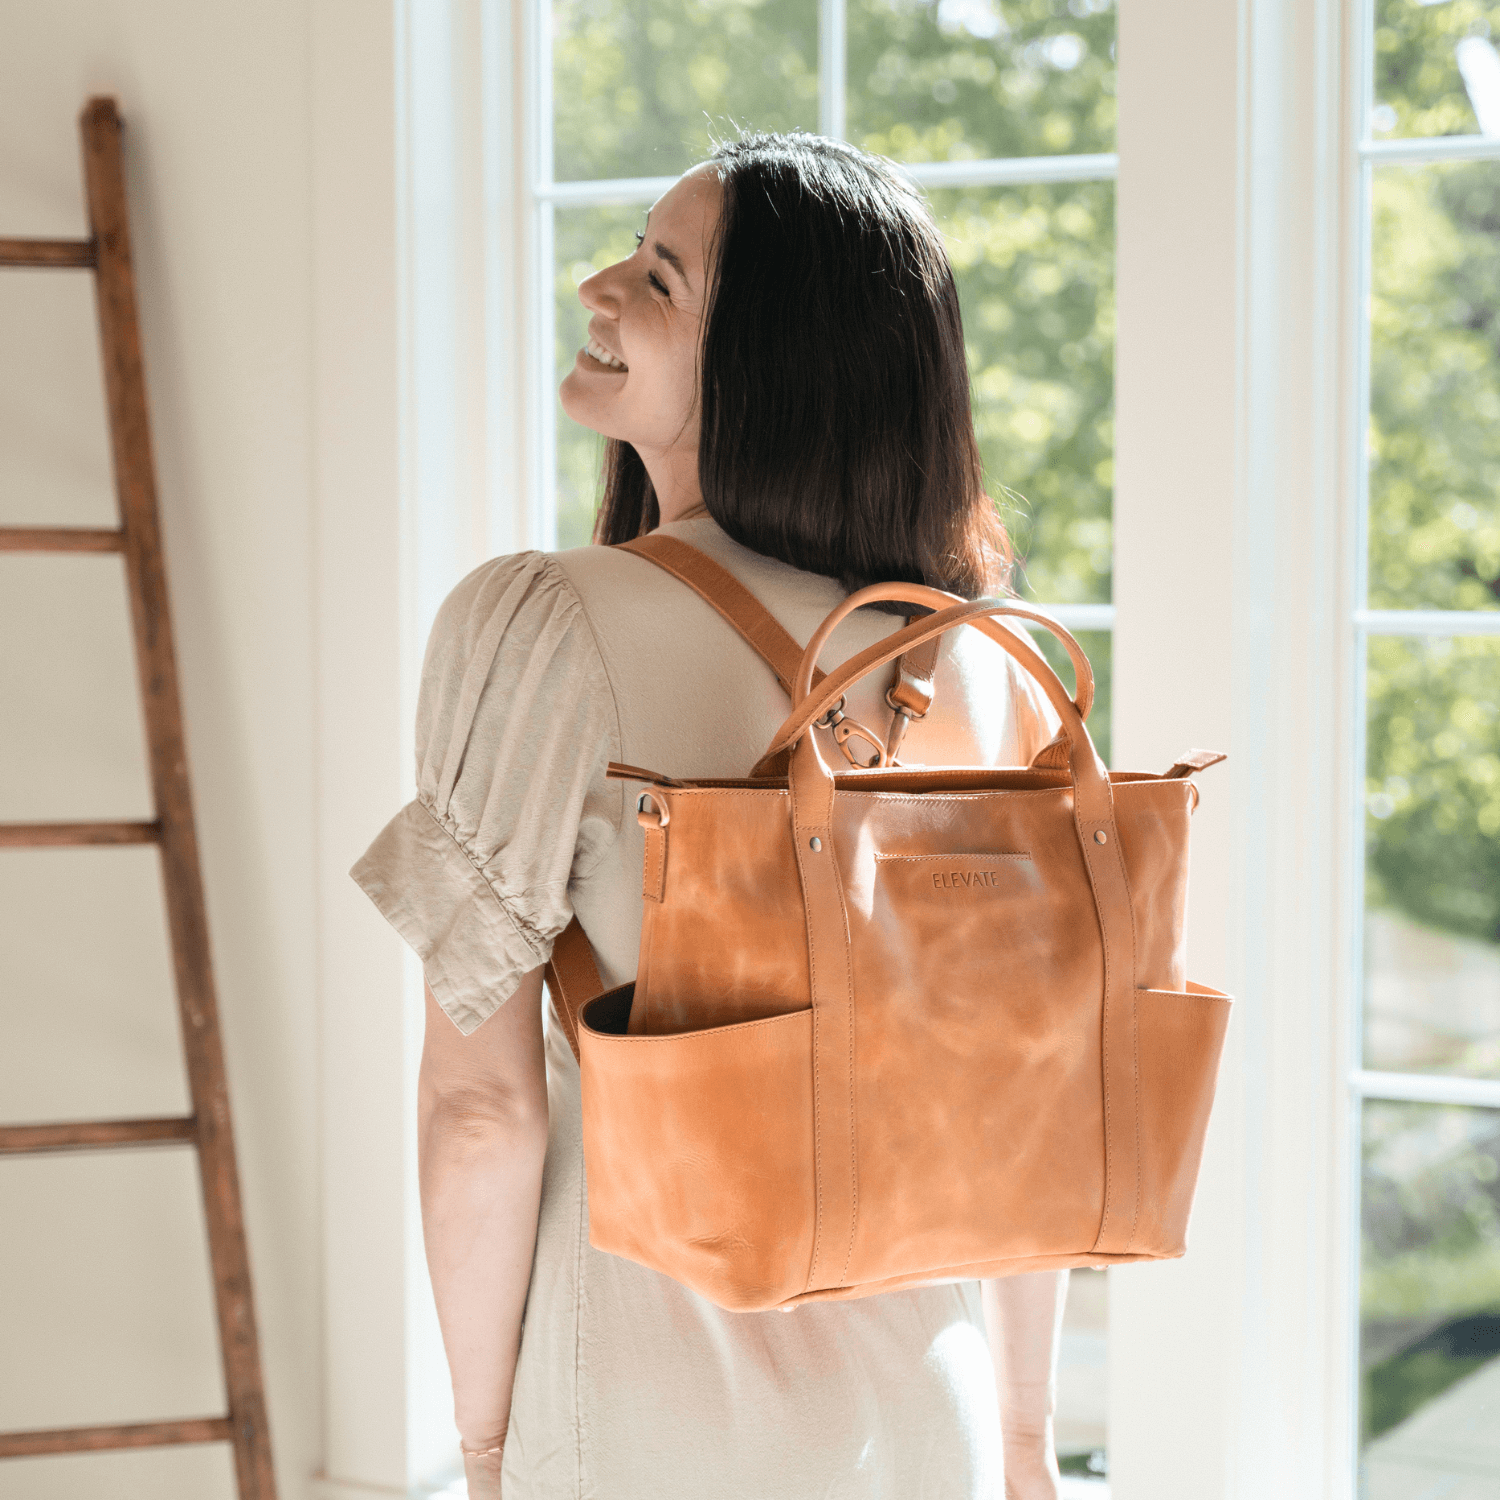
953, 880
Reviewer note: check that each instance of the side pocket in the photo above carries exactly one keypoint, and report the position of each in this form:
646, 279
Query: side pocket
698, 1147
1180, 1036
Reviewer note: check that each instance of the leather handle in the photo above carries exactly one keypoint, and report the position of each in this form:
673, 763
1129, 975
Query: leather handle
937, 599
811, 706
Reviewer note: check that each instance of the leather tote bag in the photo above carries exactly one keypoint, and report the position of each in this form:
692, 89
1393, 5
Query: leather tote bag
896, 1025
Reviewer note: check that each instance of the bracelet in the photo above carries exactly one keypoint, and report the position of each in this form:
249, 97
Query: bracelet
480, 1452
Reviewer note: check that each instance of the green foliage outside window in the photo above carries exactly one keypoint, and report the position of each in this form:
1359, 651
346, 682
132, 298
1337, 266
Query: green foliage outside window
1430, 1288
1433, 746
965, 79
1419, 86
1430, 1215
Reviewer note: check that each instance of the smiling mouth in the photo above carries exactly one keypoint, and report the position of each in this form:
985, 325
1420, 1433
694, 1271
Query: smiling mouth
602, 356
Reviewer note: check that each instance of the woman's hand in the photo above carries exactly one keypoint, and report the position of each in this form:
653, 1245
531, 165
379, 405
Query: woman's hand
1023, 1316
1030, 1465
482, 1472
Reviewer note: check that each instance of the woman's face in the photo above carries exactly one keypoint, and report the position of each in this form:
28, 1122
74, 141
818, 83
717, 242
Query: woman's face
637, 378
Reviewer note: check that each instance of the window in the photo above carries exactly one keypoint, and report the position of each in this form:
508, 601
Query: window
1427, 1077
1005, 114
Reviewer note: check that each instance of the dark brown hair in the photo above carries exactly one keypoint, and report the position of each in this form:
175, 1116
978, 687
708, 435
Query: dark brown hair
836, 429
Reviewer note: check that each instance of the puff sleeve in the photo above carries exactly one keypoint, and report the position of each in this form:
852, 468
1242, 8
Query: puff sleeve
516, 723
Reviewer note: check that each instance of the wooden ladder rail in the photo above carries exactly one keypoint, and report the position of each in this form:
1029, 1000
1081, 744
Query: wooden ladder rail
138, 539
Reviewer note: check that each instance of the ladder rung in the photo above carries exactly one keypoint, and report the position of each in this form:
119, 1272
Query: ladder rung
132, 1435
84, 1135
67, 835
61, 539
56, 253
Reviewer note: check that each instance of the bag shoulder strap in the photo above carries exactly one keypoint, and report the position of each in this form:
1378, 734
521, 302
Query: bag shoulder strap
573, 977
722, 591
571, 973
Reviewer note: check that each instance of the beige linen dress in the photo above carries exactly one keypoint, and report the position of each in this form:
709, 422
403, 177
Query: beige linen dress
540, 670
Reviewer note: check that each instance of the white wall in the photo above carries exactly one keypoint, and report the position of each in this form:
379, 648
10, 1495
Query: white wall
259, 142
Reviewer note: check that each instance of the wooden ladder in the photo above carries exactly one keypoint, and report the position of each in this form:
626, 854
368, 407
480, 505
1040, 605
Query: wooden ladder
138, 540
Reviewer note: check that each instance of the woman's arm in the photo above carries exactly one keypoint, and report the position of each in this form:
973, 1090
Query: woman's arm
482, 1135
1023, 1315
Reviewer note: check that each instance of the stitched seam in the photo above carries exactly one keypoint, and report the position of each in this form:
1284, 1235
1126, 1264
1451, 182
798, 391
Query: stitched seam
1104, 1029
716, 791
1135, 1041
838, 886
927, 798
1021, 855
799, 849
812, 970
1186, 995
655, 870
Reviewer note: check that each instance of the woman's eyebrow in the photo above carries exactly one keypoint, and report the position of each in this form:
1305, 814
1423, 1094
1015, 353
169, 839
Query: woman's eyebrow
672, 259
666, 253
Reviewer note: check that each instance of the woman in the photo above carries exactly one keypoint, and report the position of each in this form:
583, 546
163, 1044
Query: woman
779, 370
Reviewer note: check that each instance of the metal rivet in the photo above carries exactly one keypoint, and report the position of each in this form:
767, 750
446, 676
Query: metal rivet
1100, 836
815, 844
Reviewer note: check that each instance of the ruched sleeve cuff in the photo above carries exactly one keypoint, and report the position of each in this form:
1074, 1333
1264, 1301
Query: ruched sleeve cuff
473, 951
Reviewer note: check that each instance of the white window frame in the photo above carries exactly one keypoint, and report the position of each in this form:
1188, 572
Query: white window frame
1416, 1088
1239, 420
1364, 158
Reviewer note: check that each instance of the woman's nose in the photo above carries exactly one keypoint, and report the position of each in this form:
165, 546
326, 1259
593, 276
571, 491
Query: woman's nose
597, 293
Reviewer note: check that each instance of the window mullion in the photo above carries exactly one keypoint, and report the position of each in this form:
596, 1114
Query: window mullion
832, 62
1423, 150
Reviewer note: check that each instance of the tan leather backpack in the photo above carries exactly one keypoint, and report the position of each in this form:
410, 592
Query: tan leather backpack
896, 1025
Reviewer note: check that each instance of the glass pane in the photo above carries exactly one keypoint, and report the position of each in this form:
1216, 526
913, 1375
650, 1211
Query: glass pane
639, 86
1097, 647
585, 240
955, 80
1435, 387
1436, 68
1035, 272
1430, 1302
1081, 1428
1432, 974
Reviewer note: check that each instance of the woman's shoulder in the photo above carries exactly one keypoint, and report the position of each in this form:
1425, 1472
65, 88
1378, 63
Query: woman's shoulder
520, 588
512, 637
